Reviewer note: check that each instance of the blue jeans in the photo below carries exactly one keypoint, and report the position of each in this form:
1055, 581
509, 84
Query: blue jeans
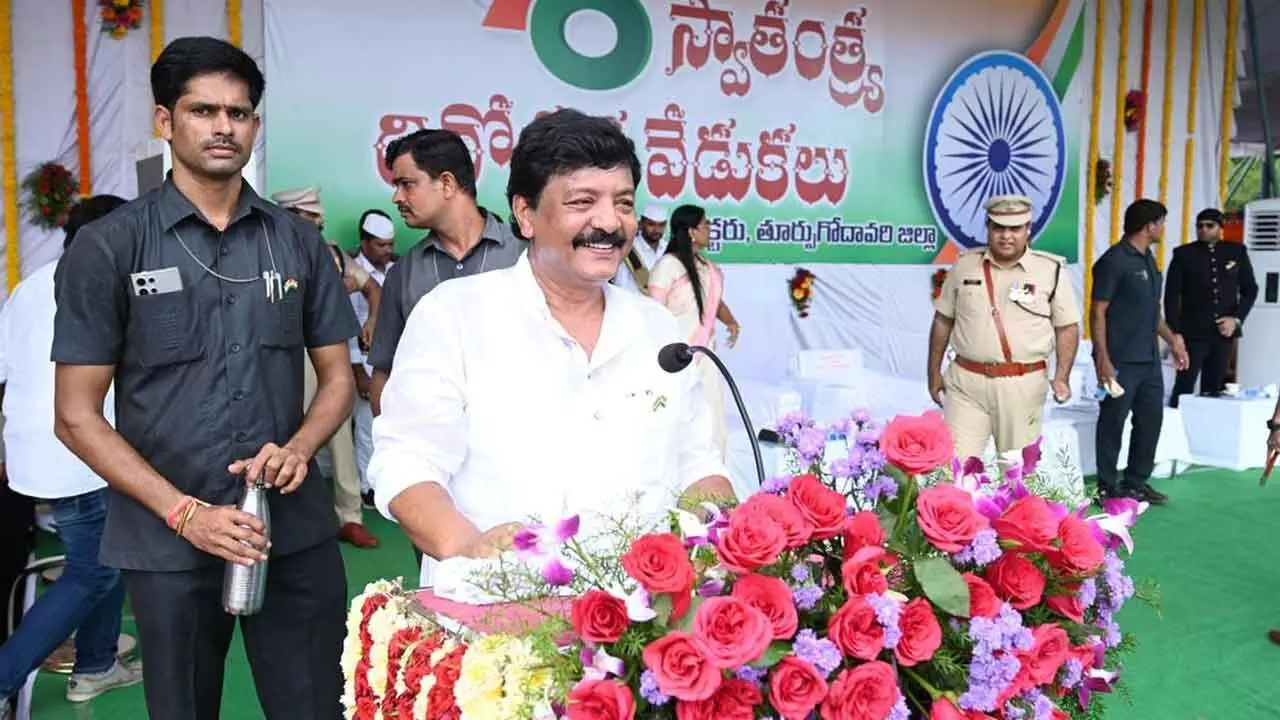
87, 598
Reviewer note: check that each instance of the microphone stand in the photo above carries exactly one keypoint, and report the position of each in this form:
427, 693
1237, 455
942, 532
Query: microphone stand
742, 409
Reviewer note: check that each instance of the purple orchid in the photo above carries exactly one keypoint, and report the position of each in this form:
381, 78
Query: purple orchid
1111, 526
541, 544
1031, 455
599, 665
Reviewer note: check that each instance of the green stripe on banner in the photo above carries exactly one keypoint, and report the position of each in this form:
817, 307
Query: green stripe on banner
1070, 59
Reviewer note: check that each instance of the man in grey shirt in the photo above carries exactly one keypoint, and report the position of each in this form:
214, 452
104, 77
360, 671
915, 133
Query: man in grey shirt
435, 189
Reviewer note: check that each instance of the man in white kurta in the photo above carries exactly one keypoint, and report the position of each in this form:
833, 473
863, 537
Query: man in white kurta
647, 249
535, 391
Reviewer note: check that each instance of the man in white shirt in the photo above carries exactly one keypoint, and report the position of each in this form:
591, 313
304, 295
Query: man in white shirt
88, 597
377, 246
518, 393
649, 247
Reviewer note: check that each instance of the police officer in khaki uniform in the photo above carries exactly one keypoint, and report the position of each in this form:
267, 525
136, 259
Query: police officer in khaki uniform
1003, 308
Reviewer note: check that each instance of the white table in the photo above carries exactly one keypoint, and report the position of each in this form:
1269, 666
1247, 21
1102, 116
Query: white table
1228, 432
1171, 449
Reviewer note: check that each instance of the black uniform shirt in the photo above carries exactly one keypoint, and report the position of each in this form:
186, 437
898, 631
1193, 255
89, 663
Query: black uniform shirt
209, 372
1130, 282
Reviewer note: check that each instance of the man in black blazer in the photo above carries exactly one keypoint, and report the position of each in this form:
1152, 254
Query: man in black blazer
1209, 291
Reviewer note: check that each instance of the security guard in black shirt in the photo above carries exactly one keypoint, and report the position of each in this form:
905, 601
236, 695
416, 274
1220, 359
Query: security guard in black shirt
199, 300
1209, 291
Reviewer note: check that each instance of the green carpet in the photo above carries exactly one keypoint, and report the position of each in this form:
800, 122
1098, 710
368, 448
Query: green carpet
1204, 655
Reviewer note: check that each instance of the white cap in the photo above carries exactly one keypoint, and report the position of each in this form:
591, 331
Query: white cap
655, 213
379, 226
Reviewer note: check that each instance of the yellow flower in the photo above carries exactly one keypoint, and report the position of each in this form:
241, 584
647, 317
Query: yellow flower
501, 679
122, 3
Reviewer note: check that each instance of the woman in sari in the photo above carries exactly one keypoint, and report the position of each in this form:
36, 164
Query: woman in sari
692, 288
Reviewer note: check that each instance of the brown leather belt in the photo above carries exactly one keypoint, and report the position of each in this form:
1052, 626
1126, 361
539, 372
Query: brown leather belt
1001, 369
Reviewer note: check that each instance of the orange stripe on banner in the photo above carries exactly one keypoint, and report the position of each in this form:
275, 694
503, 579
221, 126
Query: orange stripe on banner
508, 14
1145, 87
9, 148
155, 9
1040, 48
82, 97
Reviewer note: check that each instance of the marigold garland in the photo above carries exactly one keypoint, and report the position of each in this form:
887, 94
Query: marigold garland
51, 190
120, 16
1095, 122
8, 150
1193, 95
1166, 114
83, 139
801, 287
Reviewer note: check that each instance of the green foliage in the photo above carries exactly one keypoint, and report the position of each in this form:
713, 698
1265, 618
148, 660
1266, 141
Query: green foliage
943, 585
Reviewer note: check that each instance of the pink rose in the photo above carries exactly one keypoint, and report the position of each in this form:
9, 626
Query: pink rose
751, 541
947, 517
601, 700
730, 632
795, 688
862, 529
855, 630
680, 668
1017, 580
736, 699
983, 602
778, 509
921, 633
918, 443
823, 507
771, 596
866, 692
1030, 522
1079, 552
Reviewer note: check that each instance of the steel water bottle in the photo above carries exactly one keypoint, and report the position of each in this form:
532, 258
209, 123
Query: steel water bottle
245, 587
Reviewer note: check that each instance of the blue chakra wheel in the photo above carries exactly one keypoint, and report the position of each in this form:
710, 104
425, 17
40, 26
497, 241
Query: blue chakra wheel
996, 129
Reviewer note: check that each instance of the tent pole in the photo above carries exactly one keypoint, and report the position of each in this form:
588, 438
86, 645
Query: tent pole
1269, 160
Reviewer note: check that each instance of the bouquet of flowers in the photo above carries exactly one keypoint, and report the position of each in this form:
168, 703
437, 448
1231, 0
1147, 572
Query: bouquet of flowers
884, 578
938, 279
801, 291
51, 190
120, 16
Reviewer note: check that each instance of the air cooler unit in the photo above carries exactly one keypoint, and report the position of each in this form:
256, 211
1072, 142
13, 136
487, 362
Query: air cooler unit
1258, 358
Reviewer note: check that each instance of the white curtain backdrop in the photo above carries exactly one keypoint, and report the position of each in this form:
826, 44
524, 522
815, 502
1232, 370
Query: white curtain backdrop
883, 310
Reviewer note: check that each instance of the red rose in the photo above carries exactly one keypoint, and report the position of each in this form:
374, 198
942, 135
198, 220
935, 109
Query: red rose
771, 596
943, 709
918, 443
794, 525
750, 542
1079, 552
735, 700
861, 530
1047, 655
921, 633
855, 631
601, 700
823, 507
1017, 580
982, 599
1068, 606
795, 688
680, 668
1030, 522
866, 692
660, 563
730, 632
599, 617
863, 578
947, 517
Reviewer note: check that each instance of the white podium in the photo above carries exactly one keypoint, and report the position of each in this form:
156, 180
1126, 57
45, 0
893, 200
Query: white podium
1227, 432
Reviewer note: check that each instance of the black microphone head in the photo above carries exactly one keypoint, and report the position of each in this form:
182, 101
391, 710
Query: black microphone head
675, 357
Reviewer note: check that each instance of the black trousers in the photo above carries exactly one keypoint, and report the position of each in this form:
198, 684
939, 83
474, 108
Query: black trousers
294, 644
1143, 397
17, 539
1208, 361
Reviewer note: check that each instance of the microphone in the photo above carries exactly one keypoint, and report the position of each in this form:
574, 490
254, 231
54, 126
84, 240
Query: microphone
677, 356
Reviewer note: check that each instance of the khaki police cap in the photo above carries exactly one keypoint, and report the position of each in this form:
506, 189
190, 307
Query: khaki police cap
1009, 210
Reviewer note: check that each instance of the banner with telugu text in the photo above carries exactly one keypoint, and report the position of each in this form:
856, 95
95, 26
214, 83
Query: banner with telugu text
813, 131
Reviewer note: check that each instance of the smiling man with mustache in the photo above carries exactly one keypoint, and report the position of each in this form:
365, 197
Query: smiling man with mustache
535, 390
